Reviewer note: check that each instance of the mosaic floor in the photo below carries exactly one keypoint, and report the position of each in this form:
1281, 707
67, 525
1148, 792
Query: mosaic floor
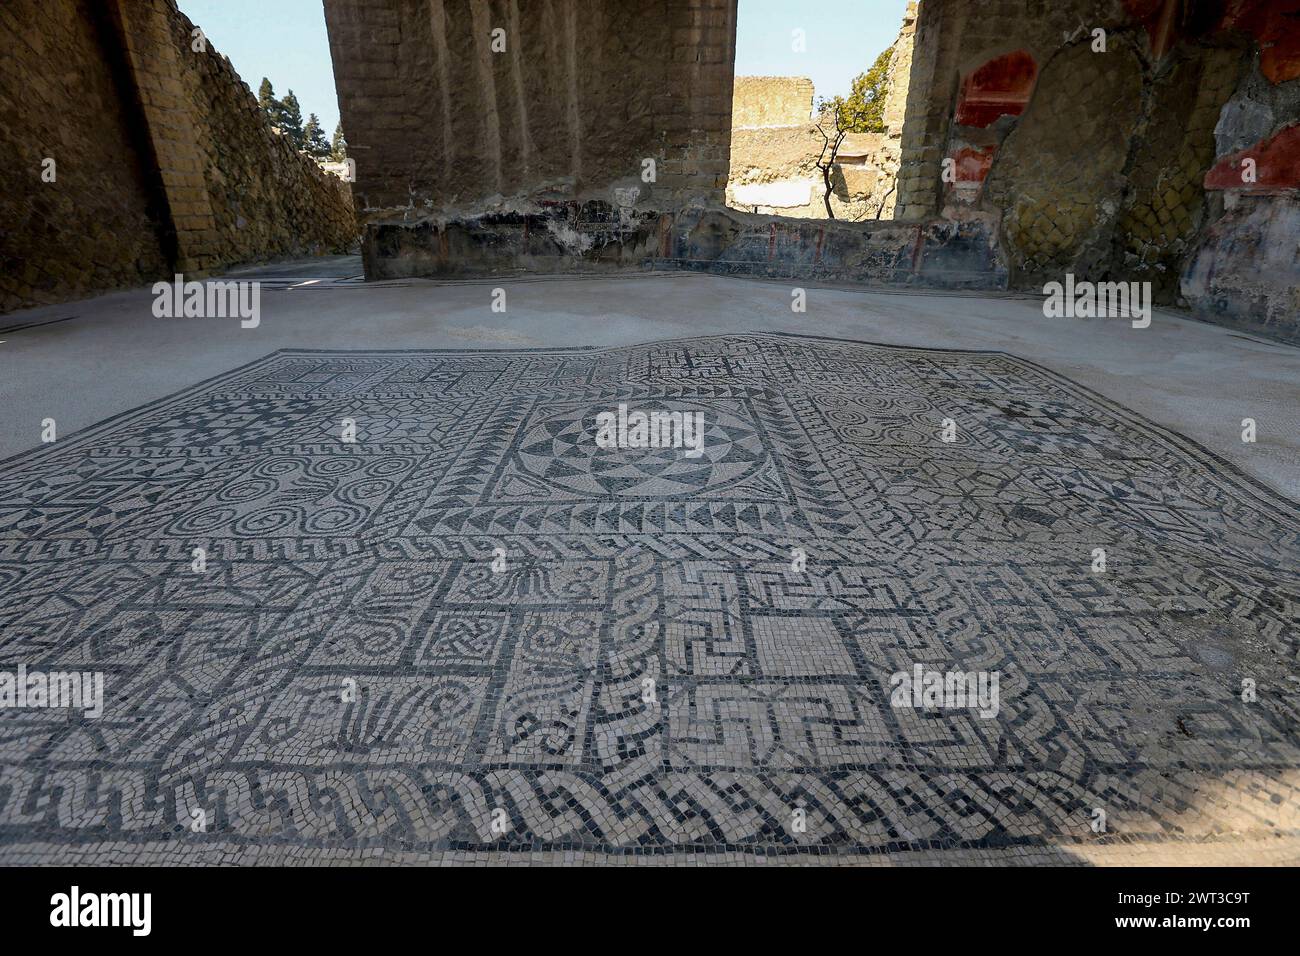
473, 633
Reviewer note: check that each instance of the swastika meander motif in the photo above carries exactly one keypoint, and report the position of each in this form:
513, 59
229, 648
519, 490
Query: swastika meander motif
523, 688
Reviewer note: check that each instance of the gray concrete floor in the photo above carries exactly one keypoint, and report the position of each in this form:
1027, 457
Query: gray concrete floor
84, 361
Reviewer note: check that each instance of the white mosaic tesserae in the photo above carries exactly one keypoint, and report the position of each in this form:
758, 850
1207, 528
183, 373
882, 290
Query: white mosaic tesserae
530, 642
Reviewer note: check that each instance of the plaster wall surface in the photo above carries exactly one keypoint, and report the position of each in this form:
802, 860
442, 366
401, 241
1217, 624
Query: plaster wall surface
1098, 165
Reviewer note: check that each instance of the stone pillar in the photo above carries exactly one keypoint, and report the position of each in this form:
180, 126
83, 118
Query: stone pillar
932, 88
145, 31
694, 112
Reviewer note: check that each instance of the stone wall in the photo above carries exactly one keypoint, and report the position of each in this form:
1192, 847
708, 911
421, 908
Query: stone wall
163, 162
774, 147
458, 107
95, 227
266, 199
776, 144
889, 158
763, 101
1083, 132
774, 169
1023, 149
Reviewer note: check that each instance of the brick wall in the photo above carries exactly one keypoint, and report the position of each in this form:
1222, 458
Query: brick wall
441, 123
163, 161
155, 63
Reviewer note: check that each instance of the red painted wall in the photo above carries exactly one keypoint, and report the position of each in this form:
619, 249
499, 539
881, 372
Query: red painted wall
1000, 87
1277, 165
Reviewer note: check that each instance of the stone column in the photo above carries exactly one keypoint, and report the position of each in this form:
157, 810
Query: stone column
153, 60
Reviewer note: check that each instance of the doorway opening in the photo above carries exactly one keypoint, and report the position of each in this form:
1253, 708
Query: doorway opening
817, 108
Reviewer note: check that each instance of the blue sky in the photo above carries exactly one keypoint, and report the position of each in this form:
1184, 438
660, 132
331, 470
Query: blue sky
844, 37
286, 41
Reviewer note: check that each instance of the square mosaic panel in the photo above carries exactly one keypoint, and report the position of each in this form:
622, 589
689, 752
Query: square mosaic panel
474, 630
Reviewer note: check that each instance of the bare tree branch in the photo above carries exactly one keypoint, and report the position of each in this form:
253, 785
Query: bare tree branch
827, 158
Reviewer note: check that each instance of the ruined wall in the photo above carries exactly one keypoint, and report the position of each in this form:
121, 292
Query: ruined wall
477, 156
447, 116
1088, 151
164, 162
91, 228
759, 101
1023, 149
776, 145
889, 155
774, 168
266, 199
1245, 269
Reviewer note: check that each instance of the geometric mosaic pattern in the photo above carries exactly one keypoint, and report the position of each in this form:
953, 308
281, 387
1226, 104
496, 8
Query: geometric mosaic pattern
516, 696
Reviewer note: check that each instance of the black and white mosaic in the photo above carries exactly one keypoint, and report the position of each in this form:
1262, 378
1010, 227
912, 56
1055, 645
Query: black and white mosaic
475, 630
